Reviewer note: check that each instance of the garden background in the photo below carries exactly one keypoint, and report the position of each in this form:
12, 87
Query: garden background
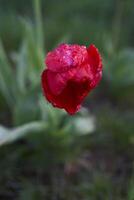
45, 154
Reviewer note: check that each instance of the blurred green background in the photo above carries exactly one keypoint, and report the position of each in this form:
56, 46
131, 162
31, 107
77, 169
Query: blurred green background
44, 153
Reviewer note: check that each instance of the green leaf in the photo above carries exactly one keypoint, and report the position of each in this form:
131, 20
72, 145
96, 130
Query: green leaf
7, 81
21, 62
10, 135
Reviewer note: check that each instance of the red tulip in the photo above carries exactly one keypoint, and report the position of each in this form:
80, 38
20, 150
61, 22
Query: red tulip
72, 72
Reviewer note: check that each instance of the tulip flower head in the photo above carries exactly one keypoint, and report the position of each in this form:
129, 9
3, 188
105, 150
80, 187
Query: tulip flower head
72, 72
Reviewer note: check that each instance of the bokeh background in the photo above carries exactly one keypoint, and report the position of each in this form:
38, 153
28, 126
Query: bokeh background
45, 154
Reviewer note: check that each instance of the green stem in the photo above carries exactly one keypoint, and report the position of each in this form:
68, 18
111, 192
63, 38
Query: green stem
39, 25
117, 22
